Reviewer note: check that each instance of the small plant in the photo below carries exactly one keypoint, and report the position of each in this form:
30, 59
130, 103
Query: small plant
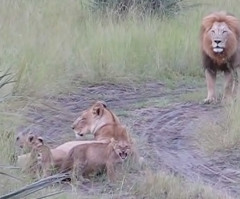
6, 78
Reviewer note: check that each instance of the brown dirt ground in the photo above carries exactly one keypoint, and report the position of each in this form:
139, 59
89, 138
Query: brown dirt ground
163, 125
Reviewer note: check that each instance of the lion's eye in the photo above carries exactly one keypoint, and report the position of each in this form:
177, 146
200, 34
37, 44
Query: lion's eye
212, 31
224, 31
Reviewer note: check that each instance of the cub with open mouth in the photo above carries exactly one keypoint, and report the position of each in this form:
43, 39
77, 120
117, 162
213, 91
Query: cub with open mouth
90, 158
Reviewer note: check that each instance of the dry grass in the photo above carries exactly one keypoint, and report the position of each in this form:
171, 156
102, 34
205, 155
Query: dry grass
164, 186
224, 134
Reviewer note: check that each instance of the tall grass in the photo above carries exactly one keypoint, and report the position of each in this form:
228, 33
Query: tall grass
50, 44
224, 134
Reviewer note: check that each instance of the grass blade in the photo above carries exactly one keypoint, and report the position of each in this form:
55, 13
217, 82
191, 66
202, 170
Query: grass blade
8, 175
36, 186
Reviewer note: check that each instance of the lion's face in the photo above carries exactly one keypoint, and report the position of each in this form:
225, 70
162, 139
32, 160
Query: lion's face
90, 120
82, 124
219, 34
122, 149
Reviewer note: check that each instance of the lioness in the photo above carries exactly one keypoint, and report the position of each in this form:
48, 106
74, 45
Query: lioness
94, 157
101, 122
104, 125
91, 120
94, 118
97, 120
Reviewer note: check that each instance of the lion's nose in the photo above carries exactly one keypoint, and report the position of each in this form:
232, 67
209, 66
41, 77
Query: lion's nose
217, 41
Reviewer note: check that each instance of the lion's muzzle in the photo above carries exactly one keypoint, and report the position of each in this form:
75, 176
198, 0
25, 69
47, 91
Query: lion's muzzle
218, 46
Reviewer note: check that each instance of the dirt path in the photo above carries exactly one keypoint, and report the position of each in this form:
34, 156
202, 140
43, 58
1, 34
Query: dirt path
169, 128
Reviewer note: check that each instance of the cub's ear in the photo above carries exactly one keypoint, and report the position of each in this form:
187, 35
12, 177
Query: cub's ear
40, 139
98, 109
17, 138
131, 141
30, 138
113, 141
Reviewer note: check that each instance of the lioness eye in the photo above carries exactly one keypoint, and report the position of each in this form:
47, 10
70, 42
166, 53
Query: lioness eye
212, 31
83, 119
224, 31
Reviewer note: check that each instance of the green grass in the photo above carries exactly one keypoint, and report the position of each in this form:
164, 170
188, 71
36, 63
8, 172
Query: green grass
55, 46
49, 49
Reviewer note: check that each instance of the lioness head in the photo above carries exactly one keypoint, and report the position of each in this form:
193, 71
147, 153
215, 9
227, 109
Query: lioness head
92, 119
220, 34
122, 148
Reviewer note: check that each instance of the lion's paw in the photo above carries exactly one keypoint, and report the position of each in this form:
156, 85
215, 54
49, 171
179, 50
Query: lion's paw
211, 100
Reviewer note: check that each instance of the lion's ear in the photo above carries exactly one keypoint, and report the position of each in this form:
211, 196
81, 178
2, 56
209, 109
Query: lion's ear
98, 109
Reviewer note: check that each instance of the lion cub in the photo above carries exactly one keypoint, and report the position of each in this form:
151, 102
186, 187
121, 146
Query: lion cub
94, 157
49, 160
42, 160
28, 161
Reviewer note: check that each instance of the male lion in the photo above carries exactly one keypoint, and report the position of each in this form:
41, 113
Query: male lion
85, 159
220, 48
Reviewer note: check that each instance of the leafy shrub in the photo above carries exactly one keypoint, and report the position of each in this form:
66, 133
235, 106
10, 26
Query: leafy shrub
156, 7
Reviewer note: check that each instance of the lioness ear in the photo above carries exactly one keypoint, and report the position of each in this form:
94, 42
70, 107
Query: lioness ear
98, 109
104, 104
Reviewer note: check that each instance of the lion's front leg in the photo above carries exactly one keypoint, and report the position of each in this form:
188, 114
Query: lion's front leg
228, 87
235, 83
211, 81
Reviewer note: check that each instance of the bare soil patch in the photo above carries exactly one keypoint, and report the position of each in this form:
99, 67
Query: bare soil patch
165, 131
